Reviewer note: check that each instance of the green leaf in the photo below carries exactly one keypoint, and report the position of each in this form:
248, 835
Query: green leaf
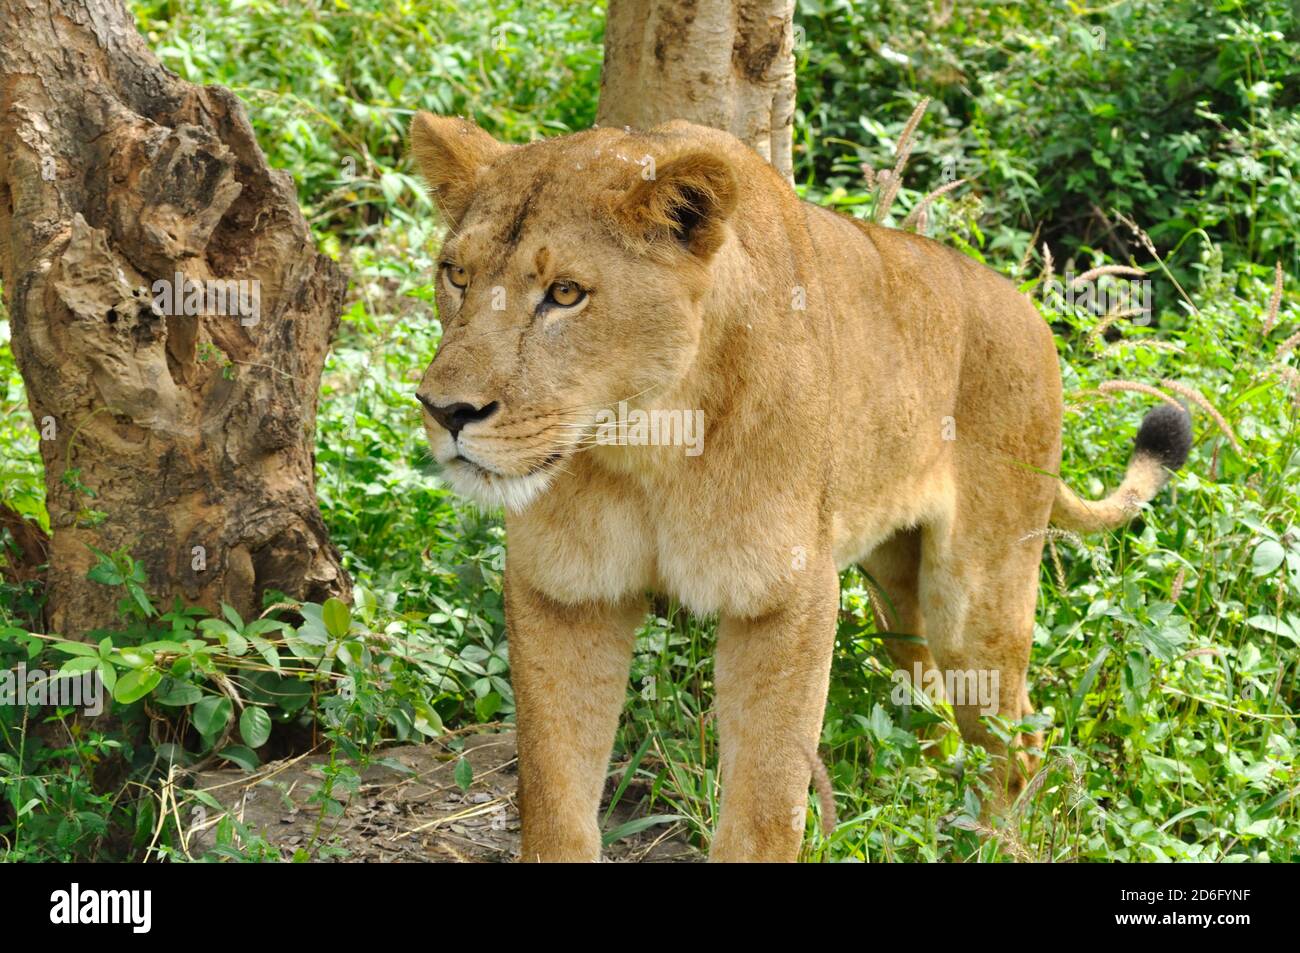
106, 574
218, 628
107, 675
207, 800
141, 599
464, 774
293, 695
211, 715
1267, 557
241, 756
1266, 623
135, 658
77, 648
337, 618
352, 653
164, 645
268, 651
487, 706
637, 825
1085, 684
427, 721
255, 726
1163, 643
233, 617
21, 637
135, 684
82, 663
391, 185
880, 724
178, 694
226, 634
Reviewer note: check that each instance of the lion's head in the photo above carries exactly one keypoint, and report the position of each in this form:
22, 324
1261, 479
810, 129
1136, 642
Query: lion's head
572, 278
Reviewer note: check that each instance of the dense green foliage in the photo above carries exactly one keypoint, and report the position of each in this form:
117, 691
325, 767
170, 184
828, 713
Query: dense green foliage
1182, 112
1165, 660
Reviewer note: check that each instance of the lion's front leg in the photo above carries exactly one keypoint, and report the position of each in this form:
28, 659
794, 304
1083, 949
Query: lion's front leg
772, 674
569, 668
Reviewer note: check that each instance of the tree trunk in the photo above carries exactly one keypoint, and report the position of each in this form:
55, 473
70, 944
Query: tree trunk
728, 64
170, 316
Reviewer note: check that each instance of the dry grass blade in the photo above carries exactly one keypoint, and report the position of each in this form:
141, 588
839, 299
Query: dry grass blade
1101, 271
1149, 245
1109, 387
1005, 838
821, 779
1029, 250
1057, 564
1274, 301
1290, 380
1095, 334
1288, 345
883, 617
917, 215
1052, 533
903, 151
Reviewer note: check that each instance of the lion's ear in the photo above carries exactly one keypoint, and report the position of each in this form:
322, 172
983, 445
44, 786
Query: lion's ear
450, 152
688, 200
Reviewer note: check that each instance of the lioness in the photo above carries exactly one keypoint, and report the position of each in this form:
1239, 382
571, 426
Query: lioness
869, 397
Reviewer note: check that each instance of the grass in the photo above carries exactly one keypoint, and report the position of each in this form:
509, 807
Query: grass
1165, 655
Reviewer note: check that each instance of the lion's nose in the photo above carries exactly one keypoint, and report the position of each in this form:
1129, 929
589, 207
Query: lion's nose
454, 417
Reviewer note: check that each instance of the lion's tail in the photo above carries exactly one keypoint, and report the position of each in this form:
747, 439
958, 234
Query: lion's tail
1162, 444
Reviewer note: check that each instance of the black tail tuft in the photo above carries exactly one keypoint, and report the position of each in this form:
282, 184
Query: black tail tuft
1166, 434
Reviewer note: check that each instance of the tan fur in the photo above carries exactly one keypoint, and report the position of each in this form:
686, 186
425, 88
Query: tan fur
1144, 478
869, 396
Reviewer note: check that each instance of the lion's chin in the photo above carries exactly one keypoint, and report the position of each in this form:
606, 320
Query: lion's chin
493, 490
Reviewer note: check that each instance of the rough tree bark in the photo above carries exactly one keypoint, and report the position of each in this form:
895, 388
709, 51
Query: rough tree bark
193, 430
728, 64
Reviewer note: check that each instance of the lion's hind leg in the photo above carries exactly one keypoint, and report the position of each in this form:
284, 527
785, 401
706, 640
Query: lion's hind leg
978, 589
894, 570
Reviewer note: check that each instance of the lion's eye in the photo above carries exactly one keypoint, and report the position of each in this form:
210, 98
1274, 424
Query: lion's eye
457, 275
565, 294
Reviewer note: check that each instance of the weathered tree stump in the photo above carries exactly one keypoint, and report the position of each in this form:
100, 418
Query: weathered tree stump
170, 316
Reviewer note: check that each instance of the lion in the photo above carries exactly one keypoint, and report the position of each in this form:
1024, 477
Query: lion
869, 397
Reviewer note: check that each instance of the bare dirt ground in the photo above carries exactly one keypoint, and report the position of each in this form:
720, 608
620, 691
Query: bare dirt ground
410, 809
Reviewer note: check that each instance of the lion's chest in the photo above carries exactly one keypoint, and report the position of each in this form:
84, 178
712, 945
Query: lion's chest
616, 539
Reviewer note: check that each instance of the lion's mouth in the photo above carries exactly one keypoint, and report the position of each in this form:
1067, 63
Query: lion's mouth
492, 487
473, 466
548, 464
487, 472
